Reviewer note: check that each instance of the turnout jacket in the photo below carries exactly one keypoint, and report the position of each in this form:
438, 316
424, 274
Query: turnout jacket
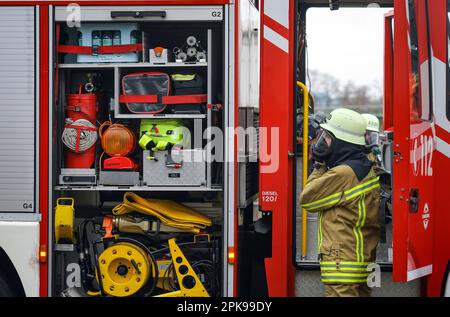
348, 221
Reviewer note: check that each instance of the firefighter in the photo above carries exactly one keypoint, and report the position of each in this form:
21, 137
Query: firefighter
373, 138
344, 190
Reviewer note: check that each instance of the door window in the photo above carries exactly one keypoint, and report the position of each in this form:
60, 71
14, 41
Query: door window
420, 76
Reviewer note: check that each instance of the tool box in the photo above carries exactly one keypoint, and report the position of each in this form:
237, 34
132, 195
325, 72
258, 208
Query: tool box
179, 168
77, 176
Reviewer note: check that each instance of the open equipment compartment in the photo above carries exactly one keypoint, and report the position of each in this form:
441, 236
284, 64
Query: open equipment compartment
105, 154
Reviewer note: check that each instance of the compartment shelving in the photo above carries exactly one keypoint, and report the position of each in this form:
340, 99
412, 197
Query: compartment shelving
94, 201
137, 188
118, 70
131, 65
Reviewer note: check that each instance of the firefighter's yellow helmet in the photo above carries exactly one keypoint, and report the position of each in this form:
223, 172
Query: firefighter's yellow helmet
373, 124
346, 125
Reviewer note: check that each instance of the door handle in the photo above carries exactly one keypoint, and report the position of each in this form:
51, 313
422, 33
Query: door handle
414, 200
138, 14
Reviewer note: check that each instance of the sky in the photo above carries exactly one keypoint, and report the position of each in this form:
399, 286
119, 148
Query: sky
347, 43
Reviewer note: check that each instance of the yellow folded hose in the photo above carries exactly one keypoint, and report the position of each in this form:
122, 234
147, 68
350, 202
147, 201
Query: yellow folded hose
168, 212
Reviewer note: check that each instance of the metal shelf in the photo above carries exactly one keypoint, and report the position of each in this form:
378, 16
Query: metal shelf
131, 65
136, 188
160, 116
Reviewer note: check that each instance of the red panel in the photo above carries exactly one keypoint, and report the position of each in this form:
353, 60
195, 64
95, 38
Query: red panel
438, 28
274, 25
43, 141
421, 168
444, 135
276, 186
401, 144
441, 246
413, 231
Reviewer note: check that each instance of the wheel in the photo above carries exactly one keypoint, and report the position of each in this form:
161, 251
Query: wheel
6, 287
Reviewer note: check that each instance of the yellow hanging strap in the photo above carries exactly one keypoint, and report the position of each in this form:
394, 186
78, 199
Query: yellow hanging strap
305, 162
168, 212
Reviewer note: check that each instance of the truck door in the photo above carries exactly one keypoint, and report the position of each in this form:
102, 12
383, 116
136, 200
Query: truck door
414, 143
18, 104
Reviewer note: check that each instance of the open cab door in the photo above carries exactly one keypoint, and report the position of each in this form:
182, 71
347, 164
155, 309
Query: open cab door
413, 141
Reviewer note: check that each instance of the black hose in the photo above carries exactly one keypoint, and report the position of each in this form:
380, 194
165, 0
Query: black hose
84, 257
211, 280
168, 249
97, 268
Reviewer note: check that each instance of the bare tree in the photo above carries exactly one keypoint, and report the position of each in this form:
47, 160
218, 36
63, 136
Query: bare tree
330, 92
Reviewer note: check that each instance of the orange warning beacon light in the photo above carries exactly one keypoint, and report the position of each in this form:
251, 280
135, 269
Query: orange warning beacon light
118, 141
159, 51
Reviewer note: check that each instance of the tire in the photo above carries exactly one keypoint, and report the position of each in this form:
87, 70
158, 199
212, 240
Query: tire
6, 288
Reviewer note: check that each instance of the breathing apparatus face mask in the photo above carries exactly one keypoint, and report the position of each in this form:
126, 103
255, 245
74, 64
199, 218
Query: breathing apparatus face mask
323, 148
372, 138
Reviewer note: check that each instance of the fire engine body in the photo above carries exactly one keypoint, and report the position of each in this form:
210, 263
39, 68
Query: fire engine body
49, 58
419, 148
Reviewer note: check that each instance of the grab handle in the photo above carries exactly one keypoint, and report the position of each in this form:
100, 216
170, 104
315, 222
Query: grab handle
138, 14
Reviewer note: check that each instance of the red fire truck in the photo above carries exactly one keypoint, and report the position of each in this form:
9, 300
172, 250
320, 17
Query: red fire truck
99, 97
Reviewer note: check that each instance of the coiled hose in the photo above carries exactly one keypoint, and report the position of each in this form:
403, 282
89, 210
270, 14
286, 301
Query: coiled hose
79, 136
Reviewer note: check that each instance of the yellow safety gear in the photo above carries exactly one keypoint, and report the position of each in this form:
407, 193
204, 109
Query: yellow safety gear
170, 213
64, 220
347, 125
159, 146
347, 290
348, 221
182, 77
159, 134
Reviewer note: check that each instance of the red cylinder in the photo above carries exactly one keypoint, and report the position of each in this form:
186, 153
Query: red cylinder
81, 106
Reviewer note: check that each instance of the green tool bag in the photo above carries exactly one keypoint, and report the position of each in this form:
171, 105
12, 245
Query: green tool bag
162, 135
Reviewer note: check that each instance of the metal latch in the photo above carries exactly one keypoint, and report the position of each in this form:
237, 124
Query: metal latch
414, 200
94, 50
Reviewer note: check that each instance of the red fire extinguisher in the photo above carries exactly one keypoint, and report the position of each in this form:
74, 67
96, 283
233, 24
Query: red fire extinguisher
80, 132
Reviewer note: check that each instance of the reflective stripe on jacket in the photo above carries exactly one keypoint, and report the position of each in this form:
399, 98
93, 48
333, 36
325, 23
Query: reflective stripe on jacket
348, 221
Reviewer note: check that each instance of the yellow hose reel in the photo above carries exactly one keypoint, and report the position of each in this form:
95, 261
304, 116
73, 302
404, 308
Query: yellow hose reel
125, 269
64, 219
